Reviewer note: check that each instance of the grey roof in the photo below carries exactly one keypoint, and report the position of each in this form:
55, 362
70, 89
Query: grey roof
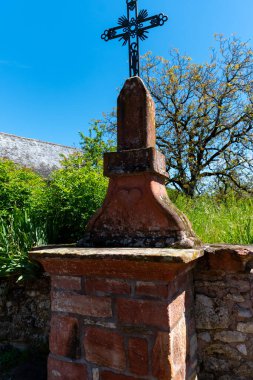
41, 156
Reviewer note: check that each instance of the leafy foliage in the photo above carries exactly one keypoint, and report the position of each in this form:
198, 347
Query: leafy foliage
19, 187
76, 190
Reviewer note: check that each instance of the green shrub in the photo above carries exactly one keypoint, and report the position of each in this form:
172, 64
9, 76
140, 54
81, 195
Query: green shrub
19, 187
18, 234
76, 191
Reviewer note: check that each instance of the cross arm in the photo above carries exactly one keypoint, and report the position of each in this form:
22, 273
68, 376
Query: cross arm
157, 20
112, 33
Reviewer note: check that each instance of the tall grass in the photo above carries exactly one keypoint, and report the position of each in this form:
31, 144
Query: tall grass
219, 220
18, 234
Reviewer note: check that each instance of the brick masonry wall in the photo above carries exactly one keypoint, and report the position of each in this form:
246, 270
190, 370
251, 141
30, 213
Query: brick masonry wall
114, 329
224, 316
86, 308
24, 311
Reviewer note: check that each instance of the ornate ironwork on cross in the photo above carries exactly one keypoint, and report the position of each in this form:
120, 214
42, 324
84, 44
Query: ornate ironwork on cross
132, 28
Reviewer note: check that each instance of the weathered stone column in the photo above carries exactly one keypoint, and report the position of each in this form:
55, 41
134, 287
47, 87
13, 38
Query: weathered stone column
126, 312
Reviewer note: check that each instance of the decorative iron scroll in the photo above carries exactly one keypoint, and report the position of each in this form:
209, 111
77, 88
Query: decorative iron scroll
131, 28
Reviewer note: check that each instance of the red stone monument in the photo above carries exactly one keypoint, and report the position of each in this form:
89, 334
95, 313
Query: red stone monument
137, 211
122, 302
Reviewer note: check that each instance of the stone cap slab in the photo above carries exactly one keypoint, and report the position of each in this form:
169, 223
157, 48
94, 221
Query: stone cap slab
241, 249
131, 263
166, 255
228, 257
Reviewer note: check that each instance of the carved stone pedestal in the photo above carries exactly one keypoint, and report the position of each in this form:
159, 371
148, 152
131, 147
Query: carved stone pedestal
121, 313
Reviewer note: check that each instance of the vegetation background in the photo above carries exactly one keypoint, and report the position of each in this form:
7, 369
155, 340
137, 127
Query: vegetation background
204, 128
35, 211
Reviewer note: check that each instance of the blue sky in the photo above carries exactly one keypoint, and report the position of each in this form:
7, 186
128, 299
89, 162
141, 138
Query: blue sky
56, 74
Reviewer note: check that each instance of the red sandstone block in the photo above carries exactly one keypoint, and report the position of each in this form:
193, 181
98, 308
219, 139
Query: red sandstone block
105, 375
160, 357
180, 375
184, 280
176, 309
138, 356
66, 282
83, 305
152, 289
105, 348
179, 284
226, 260
178, 346
108, 286
126, 269
189, 299
139, 312
61, 370
64, 336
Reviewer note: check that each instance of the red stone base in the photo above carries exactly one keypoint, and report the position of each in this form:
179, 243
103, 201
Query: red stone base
131, 319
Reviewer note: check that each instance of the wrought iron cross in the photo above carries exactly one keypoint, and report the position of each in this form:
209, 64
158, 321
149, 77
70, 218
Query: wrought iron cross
130, 29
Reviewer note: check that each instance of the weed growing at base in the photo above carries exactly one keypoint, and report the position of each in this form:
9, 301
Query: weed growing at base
18, 234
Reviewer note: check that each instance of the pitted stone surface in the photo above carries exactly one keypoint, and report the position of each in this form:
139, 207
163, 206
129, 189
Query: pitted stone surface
224, 312
136, 116
24, 311
147, 160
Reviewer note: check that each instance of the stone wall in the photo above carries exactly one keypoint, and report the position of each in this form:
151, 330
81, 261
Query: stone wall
224, 313
24, 311
223, 282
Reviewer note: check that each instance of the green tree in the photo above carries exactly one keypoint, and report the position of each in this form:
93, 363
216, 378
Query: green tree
204, 115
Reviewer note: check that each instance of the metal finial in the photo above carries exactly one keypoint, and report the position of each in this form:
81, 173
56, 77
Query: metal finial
131, 28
